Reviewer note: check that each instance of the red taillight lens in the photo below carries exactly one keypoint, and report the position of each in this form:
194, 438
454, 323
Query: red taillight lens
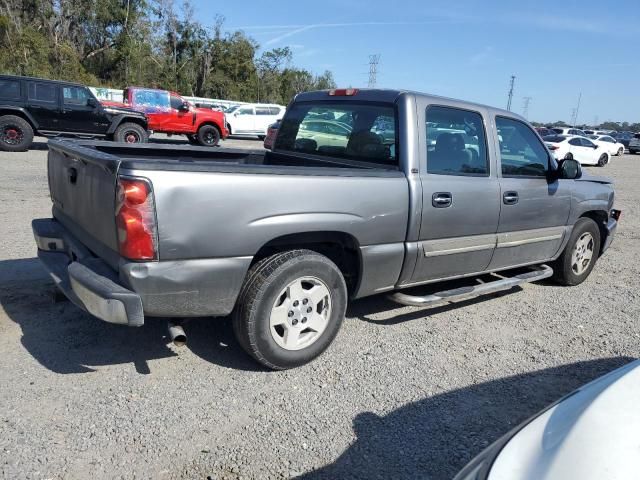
135, 219
553, 147
343, 92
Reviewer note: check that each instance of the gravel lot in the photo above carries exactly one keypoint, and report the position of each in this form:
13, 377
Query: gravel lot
403, 393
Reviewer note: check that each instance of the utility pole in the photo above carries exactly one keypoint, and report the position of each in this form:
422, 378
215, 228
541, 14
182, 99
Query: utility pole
574, 115
374, 60
525, 109
513, 79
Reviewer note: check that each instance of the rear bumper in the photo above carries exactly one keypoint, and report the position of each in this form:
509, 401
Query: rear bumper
175, 288
85, 280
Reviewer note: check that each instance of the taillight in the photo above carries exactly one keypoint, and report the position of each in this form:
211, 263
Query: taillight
135, 219
553, 147
343, 92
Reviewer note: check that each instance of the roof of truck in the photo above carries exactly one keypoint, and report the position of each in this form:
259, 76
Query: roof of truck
37, 79
391, 95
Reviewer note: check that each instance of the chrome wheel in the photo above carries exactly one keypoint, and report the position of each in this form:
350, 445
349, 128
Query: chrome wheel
300, 313
582, 253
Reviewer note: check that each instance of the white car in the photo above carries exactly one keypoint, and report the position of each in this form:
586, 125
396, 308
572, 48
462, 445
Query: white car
591, 434
253, 119
577, 147
609, 143
568, 131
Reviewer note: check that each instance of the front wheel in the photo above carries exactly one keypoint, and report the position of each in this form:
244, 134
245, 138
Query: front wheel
603, 160
621, 152
290, 308
129, 132
208, 136
579, 256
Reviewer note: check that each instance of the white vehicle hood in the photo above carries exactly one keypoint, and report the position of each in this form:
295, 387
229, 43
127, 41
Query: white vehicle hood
593, 434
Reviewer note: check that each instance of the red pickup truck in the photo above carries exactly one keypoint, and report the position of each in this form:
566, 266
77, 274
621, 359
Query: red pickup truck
168, 112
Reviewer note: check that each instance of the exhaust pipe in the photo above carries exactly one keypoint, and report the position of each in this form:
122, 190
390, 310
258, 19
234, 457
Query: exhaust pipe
176, 332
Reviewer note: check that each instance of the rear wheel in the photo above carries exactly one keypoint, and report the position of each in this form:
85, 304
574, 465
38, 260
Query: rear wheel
621, 152
579, 256
129, 132
603, 160
16, 134
208, 136
290, 308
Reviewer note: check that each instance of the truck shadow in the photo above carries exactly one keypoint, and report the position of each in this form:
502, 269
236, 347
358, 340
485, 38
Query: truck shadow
64, 339
436, 436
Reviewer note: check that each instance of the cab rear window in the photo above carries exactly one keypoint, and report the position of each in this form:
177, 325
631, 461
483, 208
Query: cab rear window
350, 130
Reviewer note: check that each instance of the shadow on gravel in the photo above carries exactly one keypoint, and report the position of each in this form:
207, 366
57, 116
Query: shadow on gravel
64, 339
435, 437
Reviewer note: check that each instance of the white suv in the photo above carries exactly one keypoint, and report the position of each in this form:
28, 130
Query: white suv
568, 131
253, 119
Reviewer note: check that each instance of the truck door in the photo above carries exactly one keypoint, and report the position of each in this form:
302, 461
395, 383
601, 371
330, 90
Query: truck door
181, 119
43, 102
534, 211
78, 114
461, 193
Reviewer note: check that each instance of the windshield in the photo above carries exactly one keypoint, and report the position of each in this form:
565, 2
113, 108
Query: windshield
232, 109
345, 129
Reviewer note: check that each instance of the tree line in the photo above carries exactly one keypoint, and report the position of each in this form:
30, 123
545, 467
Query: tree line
152, 43
615, 126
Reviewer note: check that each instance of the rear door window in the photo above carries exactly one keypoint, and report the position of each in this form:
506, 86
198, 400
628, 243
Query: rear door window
42, 92
10, 89
456, 142
350, 130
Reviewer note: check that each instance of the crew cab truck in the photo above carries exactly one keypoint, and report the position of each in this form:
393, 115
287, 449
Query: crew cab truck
169, 113
283, 239
54, 108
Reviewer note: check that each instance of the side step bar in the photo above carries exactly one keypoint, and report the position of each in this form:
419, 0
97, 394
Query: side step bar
537, 273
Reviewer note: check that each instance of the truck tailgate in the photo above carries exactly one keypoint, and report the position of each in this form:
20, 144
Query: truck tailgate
82, 183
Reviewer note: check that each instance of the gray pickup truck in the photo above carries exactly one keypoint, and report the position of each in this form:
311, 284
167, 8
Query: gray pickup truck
364, 192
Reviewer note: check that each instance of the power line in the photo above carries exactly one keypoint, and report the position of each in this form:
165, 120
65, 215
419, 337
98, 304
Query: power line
374, 60
525, 108
513, 79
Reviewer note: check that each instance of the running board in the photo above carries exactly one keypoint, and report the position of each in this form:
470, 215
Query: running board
538, 273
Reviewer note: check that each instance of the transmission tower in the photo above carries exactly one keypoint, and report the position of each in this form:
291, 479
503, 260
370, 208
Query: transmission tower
513, 79
574, 114
374, 60
525, 108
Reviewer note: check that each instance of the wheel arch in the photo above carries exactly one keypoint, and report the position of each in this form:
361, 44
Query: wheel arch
341, 248
120, 119
19, 112
212, 123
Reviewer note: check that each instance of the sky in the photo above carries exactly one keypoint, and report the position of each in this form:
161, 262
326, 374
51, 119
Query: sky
463, 49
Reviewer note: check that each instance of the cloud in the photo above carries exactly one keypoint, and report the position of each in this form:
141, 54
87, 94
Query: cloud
287, 31
482, 56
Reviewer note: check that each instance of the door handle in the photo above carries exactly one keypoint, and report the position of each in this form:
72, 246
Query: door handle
510, 198
441, 199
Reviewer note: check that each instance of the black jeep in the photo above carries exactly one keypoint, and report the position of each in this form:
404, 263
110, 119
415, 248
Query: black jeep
54, 108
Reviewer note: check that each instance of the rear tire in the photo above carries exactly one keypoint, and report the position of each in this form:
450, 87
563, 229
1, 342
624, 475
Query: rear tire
603, 160
16, 135
579, 256
129, 132
621, 152
208, 136
290, 308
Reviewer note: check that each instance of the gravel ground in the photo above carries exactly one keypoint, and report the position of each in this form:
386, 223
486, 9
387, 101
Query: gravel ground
403, 393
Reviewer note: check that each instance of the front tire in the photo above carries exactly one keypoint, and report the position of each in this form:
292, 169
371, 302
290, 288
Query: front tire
208, 136
579, 256
129, 132
290, 308
16, 135
621, 152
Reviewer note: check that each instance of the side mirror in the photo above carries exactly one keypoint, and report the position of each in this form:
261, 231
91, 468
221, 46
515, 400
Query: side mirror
92, 102
569, 169
184, 107
594, 146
